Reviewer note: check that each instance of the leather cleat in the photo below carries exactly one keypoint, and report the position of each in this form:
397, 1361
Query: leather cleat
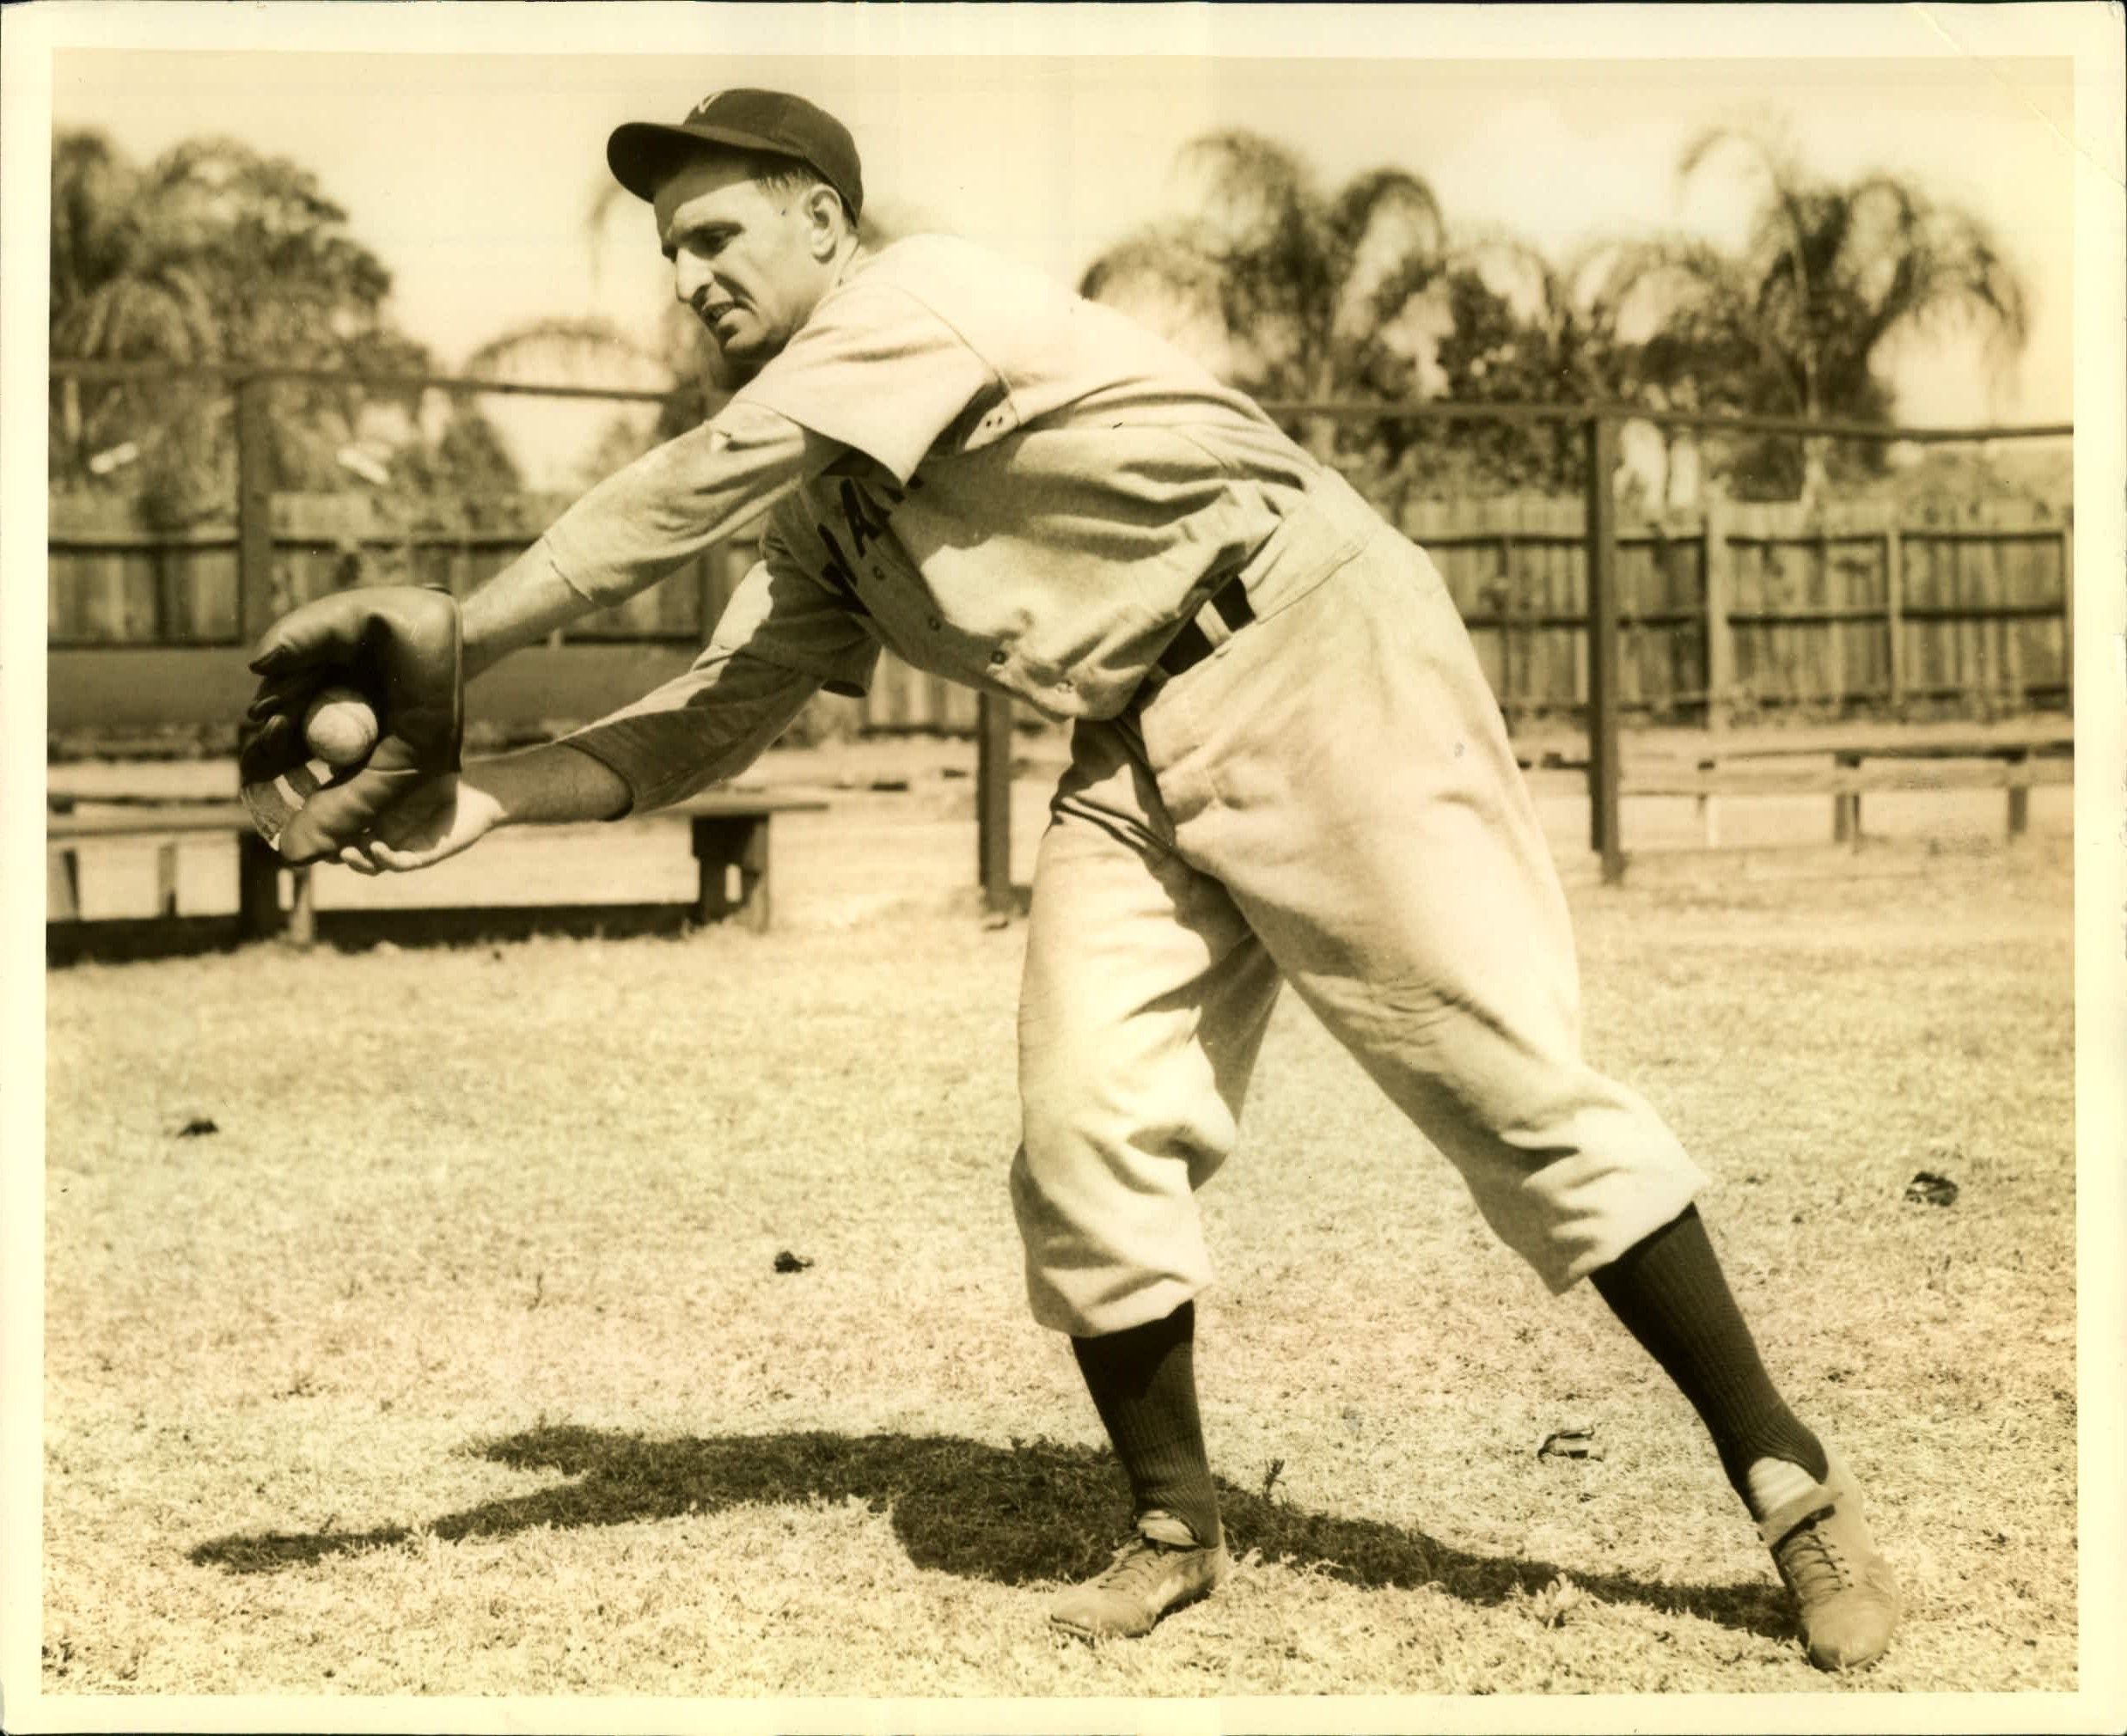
1162, 1568
1844, 1590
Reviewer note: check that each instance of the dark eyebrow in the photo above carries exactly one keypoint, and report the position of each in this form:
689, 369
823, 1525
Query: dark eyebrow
714, 227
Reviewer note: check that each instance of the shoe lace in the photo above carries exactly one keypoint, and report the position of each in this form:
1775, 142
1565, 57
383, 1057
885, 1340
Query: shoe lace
1816, 1565
1137, 1558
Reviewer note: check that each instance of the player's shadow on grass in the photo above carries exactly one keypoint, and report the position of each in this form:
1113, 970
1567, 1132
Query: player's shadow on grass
1038, 1512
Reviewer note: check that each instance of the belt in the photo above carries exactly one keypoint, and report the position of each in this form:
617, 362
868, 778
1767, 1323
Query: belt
1224, 614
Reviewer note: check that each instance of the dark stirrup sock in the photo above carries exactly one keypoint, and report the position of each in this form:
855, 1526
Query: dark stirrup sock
1144, 1385
1669, 1292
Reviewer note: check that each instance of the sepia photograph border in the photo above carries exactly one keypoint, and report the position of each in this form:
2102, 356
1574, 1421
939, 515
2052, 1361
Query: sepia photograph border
2089, 34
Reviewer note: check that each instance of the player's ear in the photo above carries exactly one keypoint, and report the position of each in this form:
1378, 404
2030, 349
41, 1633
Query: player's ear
824, 223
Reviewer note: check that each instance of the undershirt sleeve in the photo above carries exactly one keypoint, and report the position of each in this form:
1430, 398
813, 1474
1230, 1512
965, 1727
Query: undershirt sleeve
876, 370
710, 724
781, 637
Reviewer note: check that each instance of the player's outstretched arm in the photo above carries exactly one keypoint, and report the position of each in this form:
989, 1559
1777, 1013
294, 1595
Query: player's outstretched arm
548, 785
640, 524
410, 652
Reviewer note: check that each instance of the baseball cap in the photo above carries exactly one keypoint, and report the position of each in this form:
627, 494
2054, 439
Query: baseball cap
641, 153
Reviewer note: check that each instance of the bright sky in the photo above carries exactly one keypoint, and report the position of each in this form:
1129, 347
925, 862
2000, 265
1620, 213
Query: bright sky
471, 175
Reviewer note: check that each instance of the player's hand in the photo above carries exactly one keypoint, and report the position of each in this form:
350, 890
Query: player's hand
430, 824
400, 644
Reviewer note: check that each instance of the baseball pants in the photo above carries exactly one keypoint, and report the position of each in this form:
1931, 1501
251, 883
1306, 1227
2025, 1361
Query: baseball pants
1329, 800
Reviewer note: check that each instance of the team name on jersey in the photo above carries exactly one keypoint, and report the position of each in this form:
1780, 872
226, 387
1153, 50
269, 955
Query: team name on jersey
865, 521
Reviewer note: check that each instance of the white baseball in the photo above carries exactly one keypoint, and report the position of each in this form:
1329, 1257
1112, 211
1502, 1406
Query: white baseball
339, 726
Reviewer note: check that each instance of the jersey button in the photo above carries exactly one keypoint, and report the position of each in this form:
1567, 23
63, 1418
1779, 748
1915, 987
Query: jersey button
998, 657
936, 623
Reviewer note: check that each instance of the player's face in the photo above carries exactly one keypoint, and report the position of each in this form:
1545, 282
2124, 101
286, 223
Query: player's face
751, 261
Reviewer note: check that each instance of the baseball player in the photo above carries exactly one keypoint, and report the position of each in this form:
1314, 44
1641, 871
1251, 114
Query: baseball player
1286, 767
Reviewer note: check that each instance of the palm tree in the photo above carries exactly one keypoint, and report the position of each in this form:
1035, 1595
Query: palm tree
291, 287
123, 289
212, 253
1289, 293
1800, 321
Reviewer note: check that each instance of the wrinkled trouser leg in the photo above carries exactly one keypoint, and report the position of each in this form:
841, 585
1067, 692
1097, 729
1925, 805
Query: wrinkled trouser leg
1142, 1009
1342, 768
1330, 799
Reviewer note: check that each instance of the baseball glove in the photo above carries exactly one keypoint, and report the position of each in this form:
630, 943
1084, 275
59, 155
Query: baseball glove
398, 643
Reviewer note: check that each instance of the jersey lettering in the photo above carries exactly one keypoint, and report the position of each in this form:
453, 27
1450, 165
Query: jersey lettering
865, 520
839, 574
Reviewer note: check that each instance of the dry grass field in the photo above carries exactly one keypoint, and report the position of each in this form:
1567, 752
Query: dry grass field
456, 1358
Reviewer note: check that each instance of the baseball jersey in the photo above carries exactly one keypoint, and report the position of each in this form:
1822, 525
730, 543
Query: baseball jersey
961, 461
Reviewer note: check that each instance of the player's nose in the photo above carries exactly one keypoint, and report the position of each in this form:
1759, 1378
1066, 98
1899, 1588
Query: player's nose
688, 276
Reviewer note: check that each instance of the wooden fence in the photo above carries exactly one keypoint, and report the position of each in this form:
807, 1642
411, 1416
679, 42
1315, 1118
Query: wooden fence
1737, 610
116, 588
1744, 609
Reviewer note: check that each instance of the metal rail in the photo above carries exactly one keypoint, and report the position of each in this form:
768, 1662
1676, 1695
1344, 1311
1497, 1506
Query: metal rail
1442, 410
236, 374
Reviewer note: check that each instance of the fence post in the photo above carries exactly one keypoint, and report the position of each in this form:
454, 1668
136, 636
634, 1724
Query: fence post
1510, 704
1721, 643
1836, 597
301, 930
1602, 745
160, 563
255, 602
258, 888
992, 801
1894, 607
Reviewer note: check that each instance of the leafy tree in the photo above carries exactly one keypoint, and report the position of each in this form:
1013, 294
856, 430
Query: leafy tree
1362, 295
1299, 293
123, 289
1509, 333
1800, 321
213, 252
467, 461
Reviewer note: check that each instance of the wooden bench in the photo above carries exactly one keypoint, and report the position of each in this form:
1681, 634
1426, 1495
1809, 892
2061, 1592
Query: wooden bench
1858, 768
729, 836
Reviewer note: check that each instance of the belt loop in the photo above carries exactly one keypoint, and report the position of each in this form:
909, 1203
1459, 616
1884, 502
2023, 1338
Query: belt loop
1222, 615
1231, 604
